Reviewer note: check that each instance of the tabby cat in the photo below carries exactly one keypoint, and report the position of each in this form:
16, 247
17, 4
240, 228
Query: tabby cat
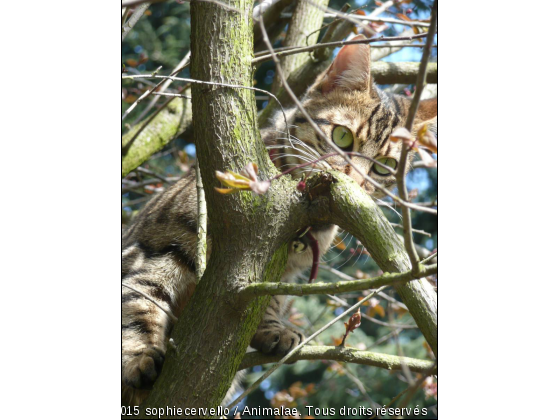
159, 246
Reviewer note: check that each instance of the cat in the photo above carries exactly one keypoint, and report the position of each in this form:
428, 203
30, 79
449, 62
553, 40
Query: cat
159, 246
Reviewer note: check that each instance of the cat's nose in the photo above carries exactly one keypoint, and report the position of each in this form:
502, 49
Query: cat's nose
353, 173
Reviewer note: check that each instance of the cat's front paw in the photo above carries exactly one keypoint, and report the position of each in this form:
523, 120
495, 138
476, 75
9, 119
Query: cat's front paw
143, 369
277, 341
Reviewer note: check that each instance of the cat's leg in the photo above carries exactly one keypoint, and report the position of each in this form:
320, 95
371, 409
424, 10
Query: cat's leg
272, 336
145, 327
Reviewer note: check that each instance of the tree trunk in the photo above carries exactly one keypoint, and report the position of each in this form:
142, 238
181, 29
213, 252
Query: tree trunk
243, 239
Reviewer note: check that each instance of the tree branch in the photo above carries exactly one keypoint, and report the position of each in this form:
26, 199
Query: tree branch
351, 208
333, 44
138, 13
304, 24
387, 279
153, 134
401, 73
342, 354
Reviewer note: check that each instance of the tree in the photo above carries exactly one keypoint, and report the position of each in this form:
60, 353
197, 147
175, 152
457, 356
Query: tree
250, 231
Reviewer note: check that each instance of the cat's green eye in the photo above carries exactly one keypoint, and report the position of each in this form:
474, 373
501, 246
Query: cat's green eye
342, 137
387, 161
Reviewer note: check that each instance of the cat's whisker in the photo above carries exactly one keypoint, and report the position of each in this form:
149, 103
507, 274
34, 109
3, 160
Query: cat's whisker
334, 246
303, 153
294, 139
302, 158
359, 256
345, 262
309, 152
307, 146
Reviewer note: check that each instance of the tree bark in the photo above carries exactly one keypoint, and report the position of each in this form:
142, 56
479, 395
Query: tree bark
304, 27
246, 230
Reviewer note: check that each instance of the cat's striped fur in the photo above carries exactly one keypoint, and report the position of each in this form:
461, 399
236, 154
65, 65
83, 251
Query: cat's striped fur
159, 246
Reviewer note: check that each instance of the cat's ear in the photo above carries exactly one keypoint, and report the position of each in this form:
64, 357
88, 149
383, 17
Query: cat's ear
350, 69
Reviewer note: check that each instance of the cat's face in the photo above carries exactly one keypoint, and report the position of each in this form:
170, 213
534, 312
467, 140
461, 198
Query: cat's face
357, 117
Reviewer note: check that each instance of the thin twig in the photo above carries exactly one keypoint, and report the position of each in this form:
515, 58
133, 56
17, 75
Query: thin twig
297, 50
429, 258
184, 79
420, 232
255, 384
378, 19
412, 389
152, 173
361, 387
174, 95
141, 98
135, 185
319, 45
184, 63
351, 18
344, 303
405, 368
252, 290
346, 277
401, 170
137, 201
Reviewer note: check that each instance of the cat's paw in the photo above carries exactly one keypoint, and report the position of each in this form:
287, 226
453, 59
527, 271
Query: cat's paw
277, 341
143, 369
